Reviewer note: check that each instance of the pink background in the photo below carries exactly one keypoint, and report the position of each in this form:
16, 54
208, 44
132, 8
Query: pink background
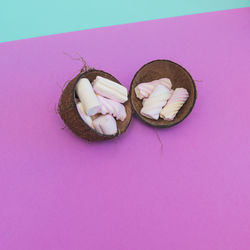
59, 192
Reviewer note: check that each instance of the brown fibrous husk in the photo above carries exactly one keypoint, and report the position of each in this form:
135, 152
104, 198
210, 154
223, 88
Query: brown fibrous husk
179, 77
69, 114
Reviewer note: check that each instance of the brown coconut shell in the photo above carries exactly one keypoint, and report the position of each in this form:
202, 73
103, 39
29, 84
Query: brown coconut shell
71, 117
179, 77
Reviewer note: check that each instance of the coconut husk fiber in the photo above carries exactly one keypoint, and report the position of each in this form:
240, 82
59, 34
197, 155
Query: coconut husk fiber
179, 77
71, 117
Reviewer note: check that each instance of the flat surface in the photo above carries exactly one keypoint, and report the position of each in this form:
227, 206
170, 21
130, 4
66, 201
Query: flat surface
59, 192
28, 18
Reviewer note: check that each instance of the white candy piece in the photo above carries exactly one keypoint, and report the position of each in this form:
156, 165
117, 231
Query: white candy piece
87, 97
111, 107
105, 124
174, 104
83, 115
143, 90
110, 89
152, 106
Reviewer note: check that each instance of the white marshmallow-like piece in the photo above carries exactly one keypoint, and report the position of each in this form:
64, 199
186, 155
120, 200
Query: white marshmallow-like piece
87, 97
152, 105
105, 124
110, 89
174, 104
143, 90
111, 107
87, 119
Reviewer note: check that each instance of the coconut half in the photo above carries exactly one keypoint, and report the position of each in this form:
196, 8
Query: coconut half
179, 77
71, 117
